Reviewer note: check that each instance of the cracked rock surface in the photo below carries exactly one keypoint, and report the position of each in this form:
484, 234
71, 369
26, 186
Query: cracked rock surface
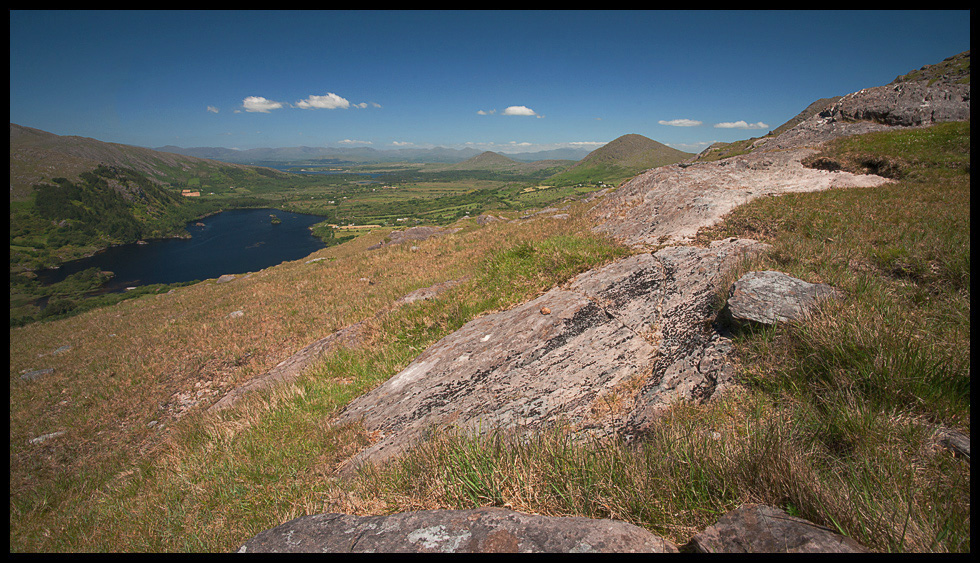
480, 530
669, 204
636, 330
756, 528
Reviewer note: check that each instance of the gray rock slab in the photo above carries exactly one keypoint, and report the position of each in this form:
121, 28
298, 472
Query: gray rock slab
955, 441
641, 323
481, 530
768, 298
756, 528
905, 104
668, 205
36, 373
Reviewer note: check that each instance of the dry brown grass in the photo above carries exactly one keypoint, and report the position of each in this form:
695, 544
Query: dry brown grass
130, 391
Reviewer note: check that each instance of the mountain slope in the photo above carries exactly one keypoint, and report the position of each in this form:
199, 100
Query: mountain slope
487, 160
38, 156
623, 157
494, 162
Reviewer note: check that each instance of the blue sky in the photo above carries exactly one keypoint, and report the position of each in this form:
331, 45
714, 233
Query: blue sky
510, 81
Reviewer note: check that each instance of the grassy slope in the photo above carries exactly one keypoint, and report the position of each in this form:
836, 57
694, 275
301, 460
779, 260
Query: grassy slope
832, 424
69, 156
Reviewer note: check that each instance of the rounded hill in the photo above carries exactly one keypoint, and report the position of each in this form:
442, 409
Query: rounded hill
621, 158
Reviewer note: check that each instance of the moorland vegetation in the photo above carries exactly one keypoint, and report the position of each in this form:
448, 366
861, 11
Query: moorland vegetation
834, 419
833, 422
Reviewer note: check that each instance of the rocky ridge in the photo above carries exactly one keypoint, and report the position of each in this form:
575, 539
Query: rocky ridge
640, 330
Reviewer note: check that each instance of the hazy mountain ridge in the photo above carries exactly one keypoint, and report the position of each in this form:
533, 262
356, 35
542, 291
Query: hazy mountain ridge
361, 155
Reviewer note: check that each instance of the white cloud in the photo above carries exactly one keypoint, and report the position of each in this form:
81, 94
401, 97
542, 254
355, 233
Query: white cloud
680, 122
519, 110
354, 142
402, 143
260, 104
330, 101
491, 112
212, 109
741, 125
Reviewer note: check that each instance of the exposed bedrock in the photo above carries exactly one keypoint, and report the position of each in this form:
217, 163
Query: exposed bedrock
638, 329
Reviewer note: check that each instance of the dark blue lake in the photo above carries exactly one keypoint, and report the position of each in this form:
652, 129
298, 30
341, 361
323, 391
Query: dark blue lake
231, 242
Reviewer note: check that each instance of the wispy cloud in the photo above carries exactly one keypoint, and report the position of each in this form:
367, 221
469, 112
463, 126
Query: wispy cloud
212, 109
681, 122
328, 101
354, 142
402, 143
260, 104
483, 112
741, 125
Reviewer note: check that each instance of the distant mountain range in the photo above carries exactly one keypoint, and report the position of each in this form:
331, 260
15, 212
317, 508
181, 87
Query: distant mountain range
38, 156
358, 155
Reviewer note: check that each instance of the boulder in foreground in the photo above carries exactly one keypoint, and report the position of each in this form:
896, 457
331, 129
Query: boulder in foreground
768, 298
756, 528
480, 530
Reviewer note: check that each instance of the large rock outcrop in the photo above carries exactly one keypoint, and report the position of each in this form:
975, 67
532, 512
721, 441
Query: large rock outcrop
751, 528
670, 204
637, 329
481, 530
904, 104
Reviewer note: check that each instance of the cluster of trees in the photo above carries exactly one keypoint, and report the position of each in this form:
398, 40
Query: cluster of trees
106, 203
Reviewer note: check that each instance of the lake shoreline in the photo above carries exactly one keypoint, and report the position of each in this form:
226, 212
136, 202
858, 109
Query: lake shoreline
292, 237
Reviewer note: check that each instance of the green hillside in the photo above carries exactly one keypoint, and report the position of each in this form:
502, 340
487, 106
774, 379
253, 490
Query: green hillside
955, 69
38, 156
619, 159
495, 162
